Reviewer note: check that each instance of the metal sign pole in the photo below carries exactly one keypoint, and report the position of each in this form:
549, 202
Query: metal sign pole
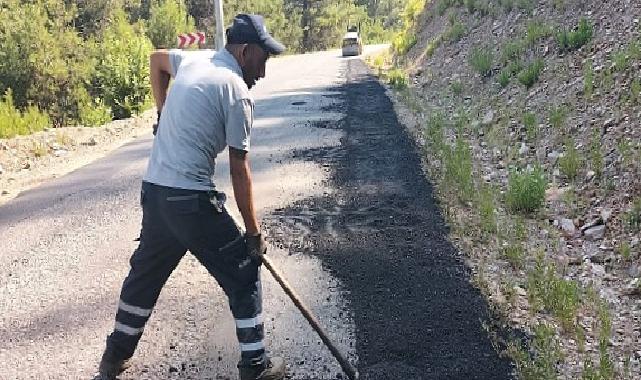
220, 28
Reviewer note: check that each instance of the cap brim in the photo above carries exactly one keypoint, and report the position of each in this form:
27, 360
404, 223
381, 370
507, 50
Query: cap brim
272, 46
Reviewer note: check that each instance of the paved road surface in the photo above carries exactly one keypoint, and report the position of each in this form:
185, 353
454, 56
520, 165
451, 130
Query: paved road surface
352, 224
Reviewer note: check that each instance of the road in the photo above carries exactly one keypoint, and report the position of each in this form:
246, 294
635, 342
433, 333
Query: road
351, 221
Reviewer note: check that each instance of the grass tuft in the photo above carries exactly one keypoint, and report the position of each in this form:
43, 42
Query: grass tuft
481, 60
573, 40
570, 163
530, 75
526, 190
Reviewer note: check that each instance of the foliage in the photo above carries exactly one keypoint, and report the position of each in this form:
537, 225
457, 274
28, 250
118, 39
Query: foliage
93, 112
504, 78
406, 39
573, 40
168, 19
588, 78
596, 153
481, 61
632, 217
486, 205
13, 122
530, 75
397, 78
44, 59
511, 51
540, 362
530, 123
435, 131
535, 31
122, 74
526, 190
458, 168
570, 163
514, 254
457, 87
456, 32
560, 297
558, 116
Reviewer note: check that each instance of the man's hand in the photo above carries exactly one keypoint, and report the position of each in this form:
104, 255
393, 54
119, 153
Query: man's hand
155, 126
256, 247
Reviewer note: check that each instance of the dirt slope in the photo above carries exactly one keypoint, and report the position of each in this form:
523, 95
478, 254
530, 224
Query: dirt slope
579, 122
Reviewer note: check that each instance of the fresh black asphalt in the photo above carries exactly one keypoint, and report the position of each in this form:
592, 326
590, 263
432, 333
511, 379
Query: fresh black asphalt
382, 235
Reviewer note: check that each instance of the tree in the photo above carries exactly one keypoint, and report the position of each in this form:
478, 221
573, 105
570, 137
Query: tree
168, 19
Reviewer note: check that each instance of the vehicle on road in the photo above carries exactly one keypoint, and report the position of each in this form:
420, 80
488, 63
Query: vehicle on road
352, 44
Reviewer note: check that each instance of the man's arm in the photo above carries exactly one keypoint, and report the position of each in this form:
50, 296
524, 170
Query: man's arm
242, 184
159, 73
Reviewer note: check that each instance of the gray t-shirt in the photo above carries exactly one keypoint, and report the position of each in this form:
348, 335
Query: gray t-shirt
208, 107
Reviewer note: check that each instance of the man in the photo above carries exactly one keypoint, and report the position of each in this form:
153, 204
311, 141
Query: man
208, 108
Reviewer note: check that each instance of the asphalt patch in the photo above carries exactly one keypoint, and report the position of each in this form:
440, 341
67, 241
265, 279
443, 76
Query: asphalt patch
382, 235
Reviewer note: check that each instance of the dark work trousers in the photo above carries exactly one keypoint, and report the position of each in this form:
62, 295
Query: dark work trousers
174, 221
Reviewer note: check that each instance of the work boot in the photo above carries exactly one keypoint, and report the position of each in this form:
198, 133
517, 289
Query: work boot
110, 367
271, 369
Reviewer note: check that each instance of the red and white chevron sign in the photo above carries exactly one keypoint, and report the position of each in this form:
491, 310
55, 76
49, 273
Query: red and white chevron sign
190, 38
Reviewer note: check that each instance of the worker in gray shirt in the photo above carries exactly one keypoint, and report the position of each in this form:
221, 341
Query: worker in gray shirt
207, 109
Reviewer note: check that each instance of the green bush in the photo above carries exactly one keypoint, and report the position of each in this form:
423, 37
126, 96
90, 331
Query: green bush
514, 254
504, 78
122, 74
13, 122
530, 75
511, 51
538, 363
535, 31
573, 40
43, 58
397, 78
487, 206
588, 78
168, 19
570, 163
403, 42
456, 32
435, 131
526, 190
481, 61
558, 116
458, 168
531, 125
560, 297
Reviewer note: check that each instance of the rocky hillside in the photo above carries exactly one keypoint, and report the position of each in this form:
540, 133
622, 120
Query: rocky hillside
529, 113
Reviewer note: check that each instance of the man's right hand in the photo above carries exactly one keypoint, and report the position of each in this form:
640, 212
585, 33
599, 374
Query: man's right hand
256, 247
155, 126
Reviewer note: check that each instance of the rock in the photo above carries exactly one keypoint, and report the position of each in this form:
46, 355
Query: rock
634, 242
601, 257
520, 291
1, 169
27, 165
606, 214
595, 233
524, 149
60, 152
568, 227
5, 192
590, 175
488, 119
92, 142
554, 194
